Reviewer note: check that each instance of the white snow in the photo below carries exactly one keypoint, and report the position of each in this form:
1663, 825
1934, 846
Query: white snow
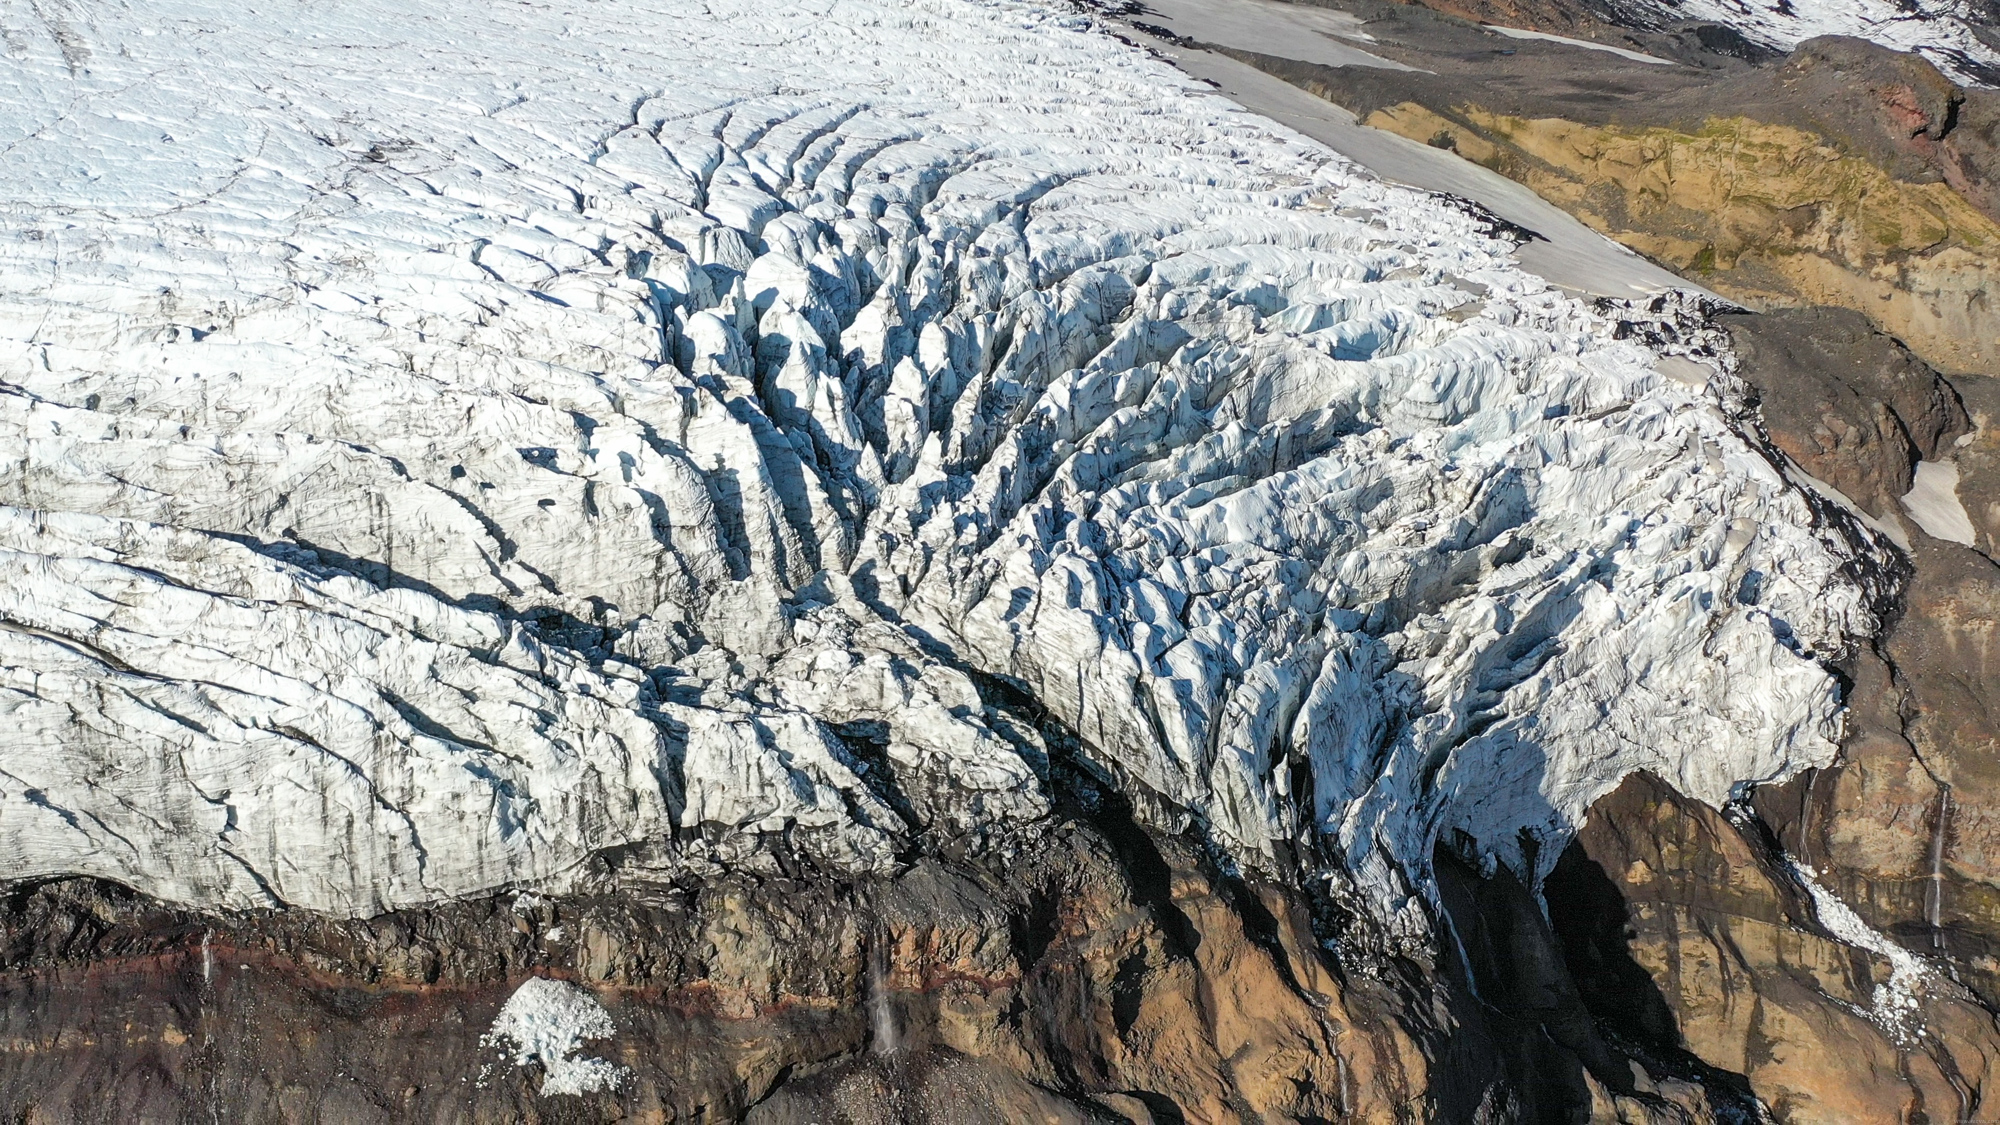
548, 1021
1692, 374
1897, 1008
681, 401
1635, 56
1936, 29
1933, 502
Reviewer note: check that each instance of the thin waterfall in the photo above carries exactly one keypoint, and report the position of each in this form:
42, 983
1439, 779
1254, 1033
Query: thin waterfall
888, 1037
1464, 958
1934, 908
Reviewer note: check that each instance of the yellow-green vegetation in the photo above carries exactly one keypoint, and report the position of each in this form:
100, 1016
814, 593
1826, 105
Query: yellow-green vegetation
1764, 214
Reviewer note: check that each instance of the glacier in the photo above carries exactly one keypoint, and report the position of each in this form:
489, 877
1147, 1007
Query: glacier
448, 441
1946, 32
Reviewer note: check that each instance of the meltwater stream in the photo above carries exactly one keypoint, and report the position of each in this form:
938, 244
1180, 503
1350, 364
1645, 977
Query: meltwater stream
1934, 907
887, 1035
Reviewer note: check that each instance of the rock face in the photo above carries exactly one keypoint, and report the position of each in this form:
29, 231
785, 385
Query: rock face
1901, 825
1689, 931
1083, 984
1847, 402
910, 554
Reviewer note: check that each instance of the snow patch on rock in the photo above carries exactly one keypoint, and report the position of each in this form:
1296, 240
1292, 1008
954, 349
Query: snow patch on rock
1621, 52
548, 1022
1898, 1008
1933, 502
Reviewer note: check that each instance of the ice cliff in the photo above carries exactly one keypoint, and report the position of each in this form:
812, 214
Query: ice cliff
444, 441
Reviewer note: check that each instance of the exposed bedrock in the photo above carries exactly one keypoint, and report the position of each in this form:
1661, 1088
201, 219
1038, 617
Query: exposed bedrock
1689, 930
1110, 975
1846, 402
1848, 175
1903, 825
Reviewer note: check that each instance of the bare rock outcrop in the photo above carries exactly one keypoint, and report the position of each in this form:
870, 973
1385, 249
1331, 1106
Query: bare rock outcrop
1847, 402
1108, 977
1849, 175
1689, 930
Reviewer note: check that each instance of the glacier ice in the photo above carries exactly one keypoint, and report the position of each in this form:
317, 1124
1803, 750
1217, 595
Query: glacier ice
1946, 32
448, 441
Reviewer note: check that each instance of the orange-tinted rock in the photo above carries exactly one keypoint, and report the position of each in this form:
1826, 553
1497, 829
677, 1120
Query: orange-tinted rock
1750, 976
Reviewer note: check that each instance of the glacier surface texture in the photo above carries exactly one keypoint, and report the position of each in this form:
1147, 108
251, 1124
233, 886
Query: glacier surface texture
445, 440
1939, 30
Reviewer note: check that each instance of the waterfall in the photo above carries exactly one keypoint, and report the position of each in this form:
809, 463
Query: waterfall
1464, 958
1934, 908
888, 1038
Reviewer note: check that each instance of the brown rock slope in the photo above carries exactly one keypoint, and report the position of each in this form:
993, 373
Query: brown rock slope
1847, 175
1100, 973
1094, 977
1686, 931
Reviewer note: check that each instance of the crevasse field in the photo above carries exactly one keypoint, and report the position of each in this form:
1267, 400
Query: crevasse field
445, 440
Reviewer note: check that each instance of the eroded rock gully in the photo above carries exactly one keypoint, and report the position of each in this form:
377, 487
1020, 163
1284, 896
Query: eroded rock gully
1689, 932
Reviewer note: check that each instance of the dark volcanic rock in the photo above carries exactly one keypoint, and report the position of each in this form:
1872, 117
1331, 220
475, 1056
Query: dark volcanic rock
1906, 827
1848, 403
